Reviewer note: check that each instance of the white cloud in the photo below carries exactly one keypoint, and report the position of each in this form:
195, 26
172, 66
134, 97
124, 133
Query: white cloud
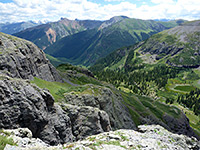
23, 10
162, 1
113, 0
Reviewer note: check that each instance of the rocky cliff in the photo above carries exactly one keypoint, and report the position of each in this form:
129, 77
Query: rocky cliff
119, 114
25, 105
107, 101
92, 114
22, 59
87, 120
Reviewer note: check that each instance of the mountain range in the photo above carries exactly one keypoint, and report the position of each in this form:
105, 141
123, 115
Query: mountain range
87, 47
176, 47
11, 28
85, 41
47, 34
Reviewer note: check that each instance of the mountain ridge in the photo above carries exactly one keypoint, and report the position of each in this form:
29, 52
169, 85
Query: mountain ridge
122, 33
46, 34
11, 28
166, 43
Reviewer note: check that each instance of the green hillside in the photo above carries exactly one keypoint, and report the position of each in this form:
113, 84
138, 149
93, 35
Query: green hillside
178, 46
87, 47
164, 67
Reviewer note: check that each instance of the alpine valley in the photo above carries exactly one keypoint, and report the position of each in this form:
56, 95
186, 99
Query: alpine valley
136, 86
164, 67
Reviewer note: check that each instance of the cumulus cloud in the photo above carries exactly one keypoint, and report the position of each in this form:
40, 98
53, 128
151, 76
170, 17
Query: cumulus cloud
177, 9
162, 1
23, 10
113, 0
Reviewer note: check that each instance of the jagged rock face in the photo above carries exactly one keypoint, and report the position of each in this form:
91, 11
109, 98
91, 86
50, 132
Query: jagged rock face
87, 120
22, 59
179, 125
108, 102
25, 105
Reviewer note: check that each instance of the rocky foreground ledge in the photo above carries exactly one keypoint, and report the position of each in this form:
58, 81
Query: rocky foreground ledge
149, 137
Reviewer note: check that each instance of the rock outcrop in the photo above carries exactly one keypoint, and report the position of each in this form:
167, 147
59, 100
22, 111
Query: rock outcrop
107, 101
179, 125
119, 116
25, 105
87, 120
152, 137
22, 59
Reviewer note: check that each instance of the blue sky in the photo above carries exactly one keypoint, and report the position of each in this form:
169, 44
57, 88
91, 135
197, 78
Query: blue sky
114, 2
6, 1
53, 10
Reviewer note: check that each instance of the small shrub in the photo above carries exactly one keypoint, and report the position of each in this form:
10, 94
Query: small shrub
5, 140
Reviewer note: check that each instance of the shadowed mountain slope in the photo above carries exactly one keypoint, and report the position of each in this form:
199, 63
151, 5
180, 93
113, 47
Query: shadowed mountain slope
87, 47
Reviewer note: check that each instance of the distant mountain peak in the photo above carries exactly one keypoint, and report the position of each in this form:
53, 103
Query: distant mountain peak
119, 17
64, 19
111, 21
11, 28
